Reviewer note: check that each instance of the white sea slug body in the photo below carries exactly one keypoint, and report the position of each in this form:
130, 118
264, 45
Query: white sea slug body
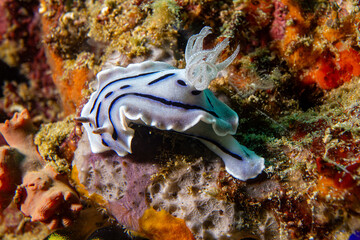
157, 94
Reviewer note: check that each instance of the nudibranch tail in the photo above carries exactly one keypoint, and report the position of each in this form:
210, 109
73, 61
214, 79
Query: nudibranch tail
201, 67
239, 161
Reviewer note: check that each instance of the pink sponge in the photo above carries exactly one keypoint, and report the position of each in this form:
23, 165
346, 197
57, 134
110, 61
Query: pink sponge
45, 196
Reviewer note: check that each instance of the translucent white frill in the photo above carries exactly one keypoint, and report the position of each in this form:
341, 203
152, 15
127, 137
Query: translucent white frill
201, 67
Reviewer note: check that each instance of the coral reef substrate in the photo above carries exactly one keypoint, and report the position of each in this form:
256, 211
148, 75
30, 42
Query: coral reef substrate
294, 85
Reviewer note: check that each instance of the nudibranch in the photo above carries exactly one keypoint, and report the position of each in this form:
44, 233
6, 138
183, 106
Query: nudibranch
159, 95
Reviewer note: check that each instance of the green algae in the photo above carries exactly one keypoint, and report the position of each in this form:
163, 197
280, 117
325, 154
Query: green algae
49, 139
125, 27
69, 38
57, 236
129, 28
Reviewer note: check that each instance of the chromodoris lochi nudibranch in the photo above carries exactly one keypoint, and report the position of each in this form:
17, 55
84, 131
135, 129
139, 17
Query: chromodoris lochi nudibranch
159, 95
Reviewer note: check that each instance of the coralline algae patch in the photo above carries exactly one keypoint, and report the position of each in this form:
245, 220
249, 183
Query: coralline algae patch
333, 69
320, 42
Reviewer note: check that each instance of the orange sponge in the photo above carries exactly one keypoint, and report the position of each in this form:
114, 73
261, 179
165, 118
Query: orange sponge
163, 226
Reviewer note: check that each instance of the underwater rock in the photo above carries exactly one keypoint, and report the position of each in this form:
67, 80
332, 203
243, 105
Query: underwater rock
23, 62
334, 150
69, 28
320, 41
